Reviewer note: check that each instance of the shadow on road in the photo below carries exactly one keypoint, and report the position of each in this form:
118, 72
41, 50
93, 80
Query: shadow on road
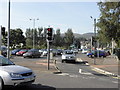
83, 62
31, 87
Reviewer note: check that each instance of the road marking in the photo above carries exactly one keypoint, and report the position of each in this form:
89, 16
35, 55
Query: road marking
73, 76
86, 73
115, 81
116, 77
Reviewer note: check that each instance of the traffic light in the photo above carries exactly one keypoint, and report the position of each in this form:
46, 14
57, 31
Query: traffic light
49, 34
93, 40
3, 31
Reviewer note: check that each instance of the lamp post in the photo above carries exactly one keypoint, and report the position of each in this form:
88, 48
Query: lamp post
34, 32
94, 30
8, 40
94, 34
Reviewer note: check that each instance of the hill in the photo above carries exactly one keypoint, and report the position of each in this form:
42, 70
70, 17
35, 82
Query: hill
85, 35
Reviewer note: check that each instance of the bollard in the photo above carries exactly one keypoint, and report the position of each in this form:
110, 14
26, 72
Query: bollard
80, 70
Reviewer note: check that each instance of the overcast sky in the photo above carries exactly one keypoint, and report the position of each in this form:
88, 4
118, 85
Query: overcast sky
63, 15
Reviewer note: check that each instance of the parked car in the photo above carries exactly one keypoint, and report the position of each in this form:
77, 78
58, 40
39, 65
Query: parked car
32, 53
75, 51
12, 75
44, 52
13, 52
68, 55
4, 51
97, 53
84, 51
59, 52
54, 51
21, 52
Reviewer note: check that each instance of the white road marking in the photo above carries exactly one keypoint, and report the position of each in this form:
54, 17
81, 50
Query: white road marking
86, 73
115, 81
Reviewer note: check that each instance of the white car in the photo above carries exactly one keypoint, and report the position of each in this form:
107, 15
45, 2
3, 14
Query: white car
84, 51
12, 75
68, 55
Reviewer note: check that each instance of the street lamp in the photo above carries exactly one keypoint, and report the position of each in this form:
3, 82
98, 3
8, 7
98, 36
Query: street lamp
8, 40
94, 34
94, 30
34, 32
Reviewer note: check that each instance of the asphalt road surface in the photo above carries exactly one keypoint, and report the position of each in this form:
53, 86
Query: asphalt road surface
74, 75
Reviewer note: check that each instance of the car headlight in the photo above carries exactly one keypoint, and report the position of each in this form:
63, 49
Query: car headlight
15, 75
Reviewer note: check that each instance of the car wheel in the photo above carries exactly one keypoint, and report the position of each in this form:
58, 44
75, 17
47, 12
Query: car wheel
1, 84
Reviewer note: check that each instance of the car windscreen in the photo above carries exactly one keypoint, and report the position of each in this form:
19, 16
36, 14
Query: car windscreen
68, 52
3, 49
4, 61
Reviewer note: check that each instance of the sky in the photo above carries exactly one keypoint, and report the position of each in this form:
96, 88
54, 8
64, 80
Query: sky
62, 15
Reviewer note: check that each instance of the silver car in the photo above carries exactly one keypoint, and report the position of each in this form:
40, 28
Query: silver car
68, 55
11, 74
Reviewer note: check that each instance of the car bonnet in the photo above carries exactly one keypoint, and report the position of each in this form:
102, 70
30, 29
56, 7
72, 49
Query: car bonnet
15, 69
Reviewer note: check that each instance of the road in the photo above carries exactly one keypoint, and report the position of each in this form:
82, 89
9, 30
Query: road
71, 76
82, 70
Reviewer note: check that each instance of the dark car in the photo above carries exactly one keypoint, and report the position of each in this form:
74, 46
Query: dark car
59, 52
13, 52
97, 53
32, 53
4, 51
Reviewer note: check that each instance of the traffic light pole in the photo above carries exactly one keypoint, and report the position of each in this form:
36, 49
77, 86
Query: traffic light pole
49, 40
48, 55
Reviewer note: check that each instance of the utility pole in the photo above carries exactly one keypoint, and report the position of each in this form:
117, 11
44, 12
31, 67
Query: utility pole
112, 45
8, 40
34, 32
95, 32
94, 36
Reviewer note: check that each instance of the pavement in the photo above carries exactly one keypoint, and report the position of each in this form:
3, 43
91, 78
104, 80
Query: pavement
108, 66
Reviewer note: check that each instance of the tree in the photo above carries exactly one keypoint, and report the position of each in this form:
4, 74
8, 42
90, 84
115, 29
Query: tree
57, 38
109, 22
69, 37
29, 38
39, 38
16, 37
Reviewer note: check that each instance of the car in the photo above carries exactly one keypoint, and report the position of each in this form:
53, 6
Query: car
45, 52
59, 51
54, 51
13, 75
21, 52
4, 51
96, 53
68, 55
32, 53
84, 51
13, 52
75, 51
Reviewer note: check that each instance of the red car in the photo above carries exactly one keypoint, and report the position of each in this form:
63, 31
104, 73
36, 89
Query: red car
21, 52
